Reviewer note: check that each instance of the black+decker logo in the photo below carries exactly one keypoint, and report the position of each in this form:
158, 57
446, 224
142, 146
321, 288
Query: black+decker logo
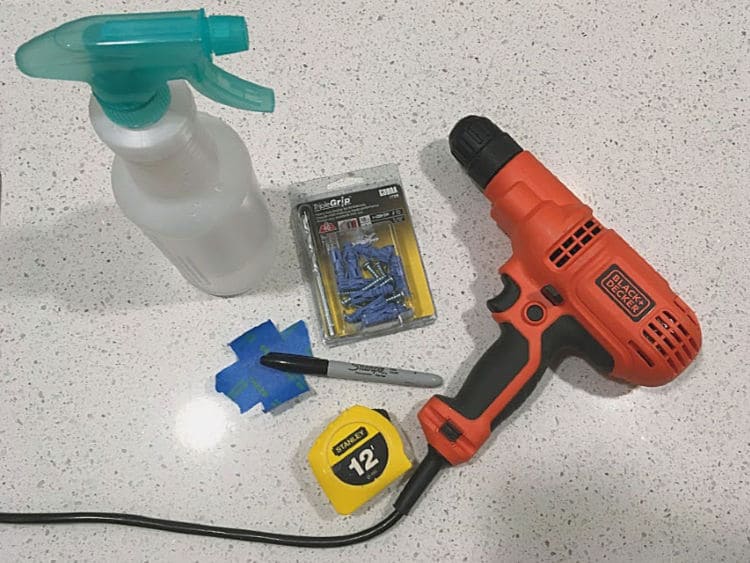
621, 289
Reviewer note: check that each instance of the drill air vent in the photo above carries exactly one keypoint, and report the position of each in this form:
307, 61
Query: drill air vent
574, 243
671, 340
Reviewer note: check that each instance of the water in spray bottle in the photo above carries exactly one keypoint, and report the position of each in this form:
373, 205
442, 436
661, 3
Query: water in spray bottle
184, 177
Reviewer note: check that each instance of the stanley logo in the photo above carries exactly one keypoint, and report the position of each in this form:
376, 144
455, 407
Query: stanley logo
350, 441
621, 289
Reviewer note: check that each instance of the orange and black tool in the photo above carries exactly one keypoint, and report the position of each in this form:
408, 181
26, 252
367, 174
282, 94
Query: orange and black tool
572, 287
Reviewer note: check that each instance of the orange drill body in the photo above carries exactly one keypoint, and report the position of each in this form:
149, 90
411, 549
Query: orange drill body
650, 332
572, 287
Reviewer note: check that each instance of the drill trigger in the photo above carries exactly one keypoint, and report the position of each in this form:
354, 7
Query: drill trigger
507, 297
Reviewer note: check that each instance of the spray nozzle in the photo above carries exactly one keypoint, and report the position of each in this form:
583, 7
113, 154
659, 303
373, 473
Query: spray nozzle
128, 59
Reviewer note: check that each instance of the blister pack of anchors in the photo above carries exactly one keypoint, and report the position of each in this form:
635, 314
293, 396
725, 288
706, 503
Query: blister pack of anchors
360, 253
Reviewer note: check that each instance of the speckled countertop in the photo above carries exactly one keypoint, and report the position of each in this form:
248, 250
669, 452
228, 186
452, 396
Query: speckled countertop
107, 356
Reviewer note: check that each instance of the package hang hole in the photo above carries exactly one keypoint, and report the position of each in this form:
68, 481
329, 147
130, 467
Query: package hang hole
346, 182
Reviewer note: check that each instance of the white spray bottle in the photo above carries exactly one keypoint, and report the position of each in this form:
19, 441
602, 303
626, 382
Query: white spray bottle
184, 177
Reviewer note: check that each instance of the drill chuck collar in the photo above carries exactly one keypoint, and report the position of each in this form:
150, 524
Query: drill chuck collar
481, 147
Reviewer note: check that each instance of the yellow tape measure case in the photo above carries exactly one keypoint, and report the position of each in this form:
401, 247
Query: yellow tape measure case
358, 455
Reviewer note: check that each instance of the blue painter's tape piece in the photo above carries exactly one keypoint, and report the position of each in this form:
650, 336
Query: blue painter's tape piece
285, 386
247, 382
297, 339
248, 344
238, 383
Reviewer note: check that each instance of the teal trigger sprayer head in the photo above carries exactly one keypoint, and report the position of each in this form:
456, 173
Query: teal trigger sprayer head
128, 59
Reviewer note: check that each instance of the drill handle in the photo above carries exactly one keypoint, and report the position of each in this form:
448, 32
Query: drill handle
504, 370
501, 381
497, 385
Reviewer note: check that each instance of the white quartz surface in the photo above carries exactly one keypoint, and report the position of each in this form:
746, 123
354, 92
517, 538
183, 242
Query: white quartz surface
107, 356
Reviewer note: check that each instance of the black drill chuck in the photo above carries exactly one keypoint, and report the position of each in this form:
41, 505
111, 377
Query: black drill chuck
481, 147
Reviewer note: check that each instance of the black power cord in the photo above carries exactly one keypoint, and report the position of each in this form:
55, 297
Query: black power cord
425, 473
198, 529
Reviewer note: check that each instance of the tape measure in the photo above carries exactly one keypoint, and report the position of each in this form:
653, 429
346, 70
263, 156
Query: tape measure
358, 455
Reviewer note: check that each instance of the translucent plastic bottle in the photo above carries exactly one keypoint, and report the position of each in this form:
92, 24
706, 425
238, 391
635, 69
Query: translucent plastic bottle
187, 181
184, 177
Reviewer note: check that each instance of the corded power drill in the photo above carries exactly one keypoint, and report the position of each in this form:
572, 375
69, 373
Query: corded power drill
572, 287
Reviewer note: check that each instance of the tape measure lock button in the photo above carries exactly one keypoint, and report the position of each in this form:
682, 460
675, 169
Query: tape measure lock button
358, 455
